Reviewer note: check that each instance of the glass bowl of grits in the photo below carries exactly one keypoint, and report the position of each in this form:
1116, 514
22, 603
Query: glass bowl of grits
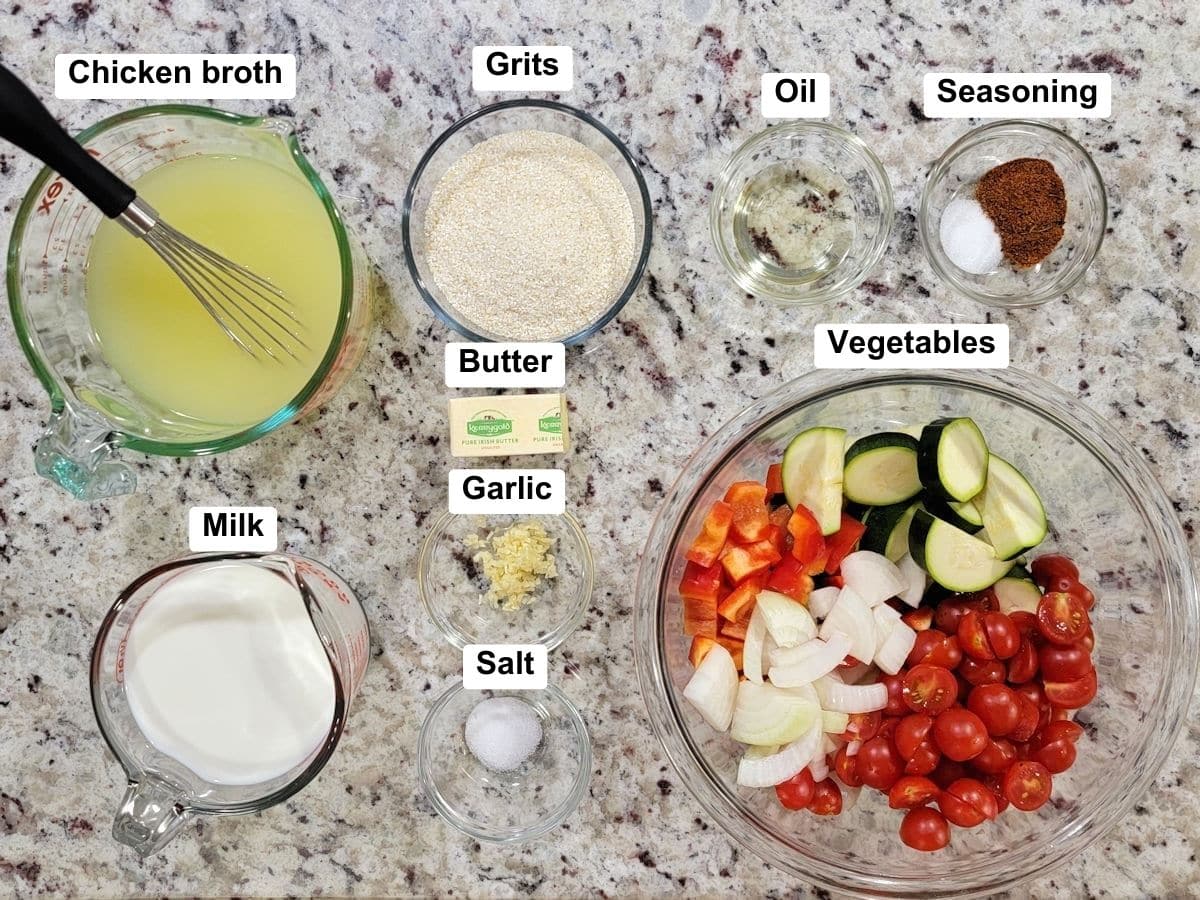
505, 579
527, 220
801, 213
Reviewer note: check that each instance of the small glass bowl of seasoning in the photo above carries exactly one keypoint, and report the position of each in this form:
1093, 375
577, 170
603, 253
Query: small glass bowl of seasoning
504, 766
527, 220
505, 579
1013, 214
801, 213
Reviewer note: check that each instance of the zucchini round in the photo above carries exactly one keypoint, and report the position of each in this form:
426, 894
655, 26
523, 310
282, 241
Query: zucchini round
887, 529
1012, 511
952, 511
812, 474
953, 558
881, 469
952, 458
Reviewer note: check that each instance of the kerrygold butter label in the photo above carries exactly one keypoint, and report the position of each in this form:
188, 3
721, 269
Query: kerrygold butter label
508, 425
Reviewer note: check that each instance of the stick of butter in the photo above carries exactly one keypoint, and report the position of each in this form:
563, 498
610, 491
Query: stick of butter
508, 425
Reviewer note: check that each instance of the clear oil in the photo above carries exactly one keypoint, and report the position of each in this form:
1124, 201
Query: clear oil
794, 221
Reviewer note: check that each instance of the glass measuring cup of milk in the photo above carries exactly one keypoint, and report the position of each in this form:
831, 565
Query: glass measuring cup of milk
94, 409
213, 706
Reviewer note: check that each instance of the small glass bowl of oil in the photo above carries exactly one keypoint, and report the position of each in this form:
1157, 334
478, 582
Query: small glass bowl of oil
801, 213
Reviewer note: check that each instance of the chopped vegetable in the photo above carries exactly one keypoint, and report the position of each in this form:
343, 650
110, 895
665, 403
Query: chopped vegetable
713, 688
711, 540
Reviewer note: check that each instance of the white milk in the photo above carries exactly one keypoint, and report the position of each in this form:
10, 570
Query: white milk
224, 672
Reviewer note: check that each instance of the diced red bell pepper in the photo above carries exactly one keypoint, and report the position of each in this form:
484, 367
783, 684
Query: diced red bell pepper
817, 566
778, 538
742, 562
734, 646
700, 582
843, 541
789, 578
740, 603
750, 518
780, 516
735, 630
774, 479
711, 540
807, 541
700, 617
700, 647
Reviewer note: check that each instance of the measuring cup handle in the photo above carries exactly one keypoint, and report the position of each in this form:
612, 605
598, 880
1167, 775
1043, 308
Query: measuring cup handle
81, 457
151, 812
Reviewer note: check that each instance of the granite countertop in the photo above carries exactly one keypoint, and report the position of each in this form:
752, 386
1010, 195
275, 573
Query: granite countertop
357, 483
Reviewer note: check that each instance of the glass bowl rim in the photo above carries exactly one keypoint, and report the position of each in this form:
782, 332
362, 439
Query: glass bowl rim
880, 179
559, 815
1182, 640
552, 638
941, 166
635, 277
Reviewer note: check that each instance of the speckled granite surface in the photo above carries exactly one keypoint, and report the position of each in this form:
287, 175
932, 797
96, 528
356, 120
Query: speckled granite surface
356, 483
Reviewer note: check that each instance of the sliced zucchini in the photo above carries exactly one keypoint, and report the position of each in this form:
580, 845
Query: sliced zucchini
812, 474
967, 511
1014, 592
950, 511
953, 458
887, 529
953, 558
881, 469
1012, 511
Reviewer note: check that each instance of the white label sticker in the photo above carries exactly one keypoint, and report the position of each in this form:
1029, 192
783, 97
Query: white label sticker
528, 492
512, 68
251, 529
513, 365
1028, 95
795, 95
175, 76
896, 346
512, 667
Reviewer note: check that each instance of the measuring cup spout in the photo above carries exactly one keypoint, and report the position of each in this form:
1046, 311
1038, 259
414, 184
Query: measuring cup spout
80, 456
150, 814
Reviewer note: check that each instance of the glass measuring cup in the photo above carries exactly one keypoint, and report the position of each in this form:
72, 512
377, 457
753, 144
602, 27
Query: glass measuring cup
164, 794
94, 412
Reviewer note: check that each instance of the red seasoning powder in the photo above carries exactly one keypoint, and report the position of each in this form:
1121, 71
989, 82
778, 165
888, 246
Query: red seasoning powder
1026, 200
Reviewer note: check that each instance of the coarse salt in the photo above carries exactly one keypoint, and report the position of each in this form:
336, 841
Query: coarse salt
969, 237
503, 732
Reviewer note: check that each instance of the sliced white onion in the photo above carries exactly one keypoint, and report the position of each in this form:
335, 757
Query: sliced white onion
713, 688
886, 619
788, 621
852, 617
851, 698
754, 648
892, 655
873, 576
819, 767
809, 661
916, 579
821, 601
833, 722
805, 692
853, 747
828, 744
767, 771
763, 715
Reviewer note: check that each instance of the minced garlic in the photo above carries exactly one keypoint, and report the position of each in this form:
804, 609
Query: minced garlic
515, 562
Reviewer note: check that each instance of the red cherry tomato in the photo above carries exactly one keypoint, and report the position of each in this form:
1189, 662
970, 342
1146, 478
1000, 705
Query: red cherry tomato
996, 786
910, 732
1085, 596
947, 772
895, 689
996, 757
926, 641
1051, 567
1027, 784
1059, 663
846, 767
1024, 664
1088, 641
967, 802
911, 791
925, 829
827, 798
996, 705
862, 726
1028, 723
972, 636
796, 792
1032, 691
938, 649
1072, 694
950, 612
1056, 756
959, 733
979, 672
878, 764
1060, 730
1003, 636
929, 689
1062, 618
1026, 623
920, 619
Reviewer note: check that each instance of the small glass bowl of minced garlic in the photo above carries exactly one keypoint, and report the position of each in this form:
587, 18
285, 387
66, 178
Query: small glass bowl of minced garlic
1004, 167
505, 579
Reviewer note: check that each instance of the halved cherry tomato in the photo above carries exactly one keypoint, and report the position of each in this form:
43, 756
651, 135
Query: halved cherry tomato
925, 829
750, 514
997, 707
807, 542
1027, 785
929, 689
827, 798
995, 785
925, 642
978, 672
1056, 756
920, 619
947, 772
910, 732
878, 764
1059, 730
774, 481
967, 802
1026, 623
1024, 665
1085, 595
843, 541
711, 540
862, 726
959, 733
788, 577
1028, 723
1064, 663
1072, 694
911, 791
895, 691
1032, 691
950, 612
972, 636
1003, 636
1053, 567
846, 767
935, 648
1062, 618
996, 757
796, 792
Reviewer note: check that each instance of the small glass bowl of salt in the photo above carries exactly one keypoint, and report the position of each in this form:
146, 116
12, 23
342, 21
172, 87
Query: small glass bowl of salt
504, 766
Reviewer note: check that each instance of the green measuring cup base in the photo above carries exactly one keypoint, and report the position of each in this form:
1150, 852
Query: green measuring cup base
80, 456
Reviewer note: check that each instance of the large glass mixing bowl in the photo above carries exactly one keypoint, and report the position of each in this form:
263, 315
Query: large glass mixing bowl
1106, 512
